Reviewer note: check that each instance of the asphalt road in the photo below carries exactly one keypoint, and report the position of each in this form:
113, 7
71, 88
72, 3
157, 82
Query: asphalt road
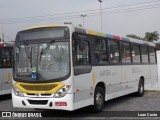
114, 109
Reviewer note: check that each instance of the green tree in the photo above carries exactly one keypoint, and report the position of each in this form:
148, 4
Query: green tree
135, 37
151, 36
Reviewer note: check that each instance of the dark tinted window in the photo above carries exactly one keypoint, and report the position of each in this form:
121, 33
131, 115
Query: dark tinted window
125, 52
152, 55
136, 54
100, 52
144, 54
113, 49
81, 56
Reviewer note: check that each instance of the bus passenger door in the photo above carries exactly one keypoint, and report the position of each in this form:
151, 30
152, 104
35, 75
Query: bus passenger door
82, 71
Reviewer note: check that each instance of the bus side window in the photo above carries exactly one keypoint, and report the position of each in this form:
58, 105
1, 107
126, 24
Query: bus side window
113, 49
80, 50
144, 54
82, 55
152, 55
100, 52
125, 52
136, 54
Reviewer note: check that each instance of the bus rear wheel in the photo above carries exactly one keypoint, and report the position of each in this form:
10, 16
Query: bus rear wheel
99, 99
140, 92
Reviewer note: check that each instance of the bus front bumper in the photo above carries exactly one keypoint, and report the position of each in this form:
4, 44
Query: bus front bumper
64, 103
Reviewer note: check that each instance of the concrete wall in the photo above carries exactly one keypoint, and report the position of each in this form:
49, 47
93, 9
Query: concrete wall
158, 63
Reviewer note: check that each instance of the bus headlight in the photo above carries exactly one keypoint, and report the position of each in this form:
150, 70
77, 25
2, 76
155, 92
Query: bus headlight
62, 92
17, 92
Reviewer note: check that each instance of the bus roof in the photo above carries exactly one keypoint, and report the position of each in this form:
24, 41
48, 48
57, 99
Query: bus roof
96, 33
110, 36
41, 26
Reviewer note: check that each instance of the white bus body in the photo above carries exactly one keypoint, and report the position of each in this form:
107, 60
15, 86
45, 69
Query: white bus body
88, 83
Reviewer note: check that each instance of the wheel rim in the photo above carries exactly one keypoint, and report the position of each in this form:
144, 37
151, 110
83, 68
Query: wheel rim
99, 100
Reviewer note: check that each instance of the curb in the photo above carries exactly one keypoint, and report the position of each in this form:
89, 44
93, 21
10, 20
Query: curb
152, 90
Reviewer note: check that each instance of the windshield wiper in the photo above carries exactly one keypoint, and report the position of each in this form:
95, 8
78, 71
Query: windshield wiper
26, 50
29, 54
44, 50
17, 54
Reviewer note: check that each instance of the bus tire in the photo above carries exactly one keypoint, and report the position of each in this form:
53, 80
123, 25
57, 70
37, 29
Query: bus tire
140, 92
99, 99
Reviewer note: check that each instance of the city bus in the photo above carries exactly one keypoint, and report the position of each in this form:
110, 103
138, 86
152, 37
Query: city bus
6, 49
64, 67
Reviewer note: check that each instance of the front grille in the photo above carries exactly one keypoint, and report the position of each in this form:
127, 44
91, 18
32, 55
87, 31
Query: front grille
45, 94
38, 102
38, 87
30, 94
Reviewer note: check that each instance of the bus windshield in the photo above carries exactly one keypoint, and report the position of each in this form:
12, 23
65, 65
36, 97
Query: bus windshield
41, 61
41, 54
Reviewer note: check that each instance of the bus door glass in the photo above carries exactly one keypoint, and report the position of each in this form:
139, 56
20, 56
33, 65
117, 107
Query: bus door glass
81, 54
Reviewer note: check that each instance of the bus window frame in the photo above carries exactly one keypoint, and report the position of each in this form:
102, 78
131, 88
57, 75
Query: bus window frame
107, 53
118, 63
136, 44
143, 45
78, 68
130, 46
155, 55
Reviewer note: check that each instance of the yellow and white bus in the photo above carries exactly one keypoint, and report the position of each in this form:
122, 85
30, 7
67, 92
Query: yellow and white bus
65, 67
6, 49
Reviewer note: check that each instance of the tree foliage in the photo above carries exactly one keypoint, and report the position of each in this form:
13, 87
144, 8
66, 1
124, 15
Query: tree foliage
149, 36
135, 37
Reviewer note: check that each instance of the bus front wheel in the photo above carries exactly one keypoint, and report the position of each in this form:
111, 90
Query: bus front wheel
99, 99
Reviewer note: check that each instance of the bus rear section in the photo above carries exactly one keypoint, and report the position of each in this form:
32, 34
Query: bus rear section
6, 49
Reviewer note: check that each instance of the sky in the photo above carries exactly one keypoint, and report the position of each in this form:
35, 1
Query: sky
119, 17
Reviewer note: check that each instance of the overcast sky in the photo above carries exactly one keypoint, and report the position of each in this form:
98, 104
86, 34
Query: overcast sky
115, 20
